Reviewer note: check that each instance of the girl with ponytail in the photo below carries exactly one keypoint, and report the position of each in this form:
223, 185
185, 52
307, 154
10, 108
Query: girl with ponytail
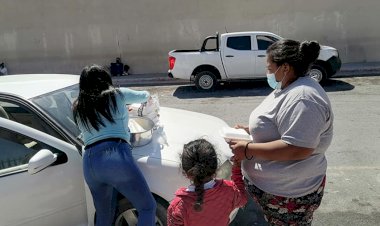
207, 201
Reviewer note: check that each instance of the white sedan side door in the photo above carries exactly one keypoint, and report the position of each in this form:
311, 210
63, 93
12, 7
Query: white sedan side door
53, 196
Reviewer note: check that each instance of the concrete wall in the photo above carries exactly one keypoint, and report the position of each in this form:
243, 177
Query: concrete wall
52, 36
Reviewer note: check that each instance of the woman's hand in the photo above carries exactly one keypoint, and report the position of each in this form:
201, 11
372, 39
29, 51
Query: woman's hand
246, 128
237, 148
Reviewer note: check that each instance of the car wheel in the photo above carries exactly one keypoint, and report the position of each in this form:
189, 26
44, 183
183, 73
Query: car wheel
127, 215
205, 81
318, 73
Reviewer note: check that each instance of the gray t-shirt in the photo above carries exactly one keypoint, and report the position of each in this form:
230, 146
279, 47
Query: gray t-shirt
299, 115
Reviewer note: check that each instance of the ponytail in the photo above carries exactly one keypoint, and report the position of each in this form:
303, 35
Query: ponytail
309, 51
199, 190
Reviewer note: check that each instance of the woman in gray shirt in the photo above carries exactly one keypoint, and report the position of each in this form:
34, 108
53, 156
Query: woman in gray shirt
285, 165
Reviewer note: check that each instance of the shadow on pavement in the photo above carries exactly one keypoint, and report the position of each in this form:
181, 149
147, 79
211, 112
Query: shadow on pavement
333, 85
231, 89
248, 88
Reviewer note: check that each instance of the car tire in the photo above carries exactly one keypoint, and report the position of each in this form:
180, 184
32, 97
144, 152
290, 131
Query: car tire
318, 73
126, 214
205, 81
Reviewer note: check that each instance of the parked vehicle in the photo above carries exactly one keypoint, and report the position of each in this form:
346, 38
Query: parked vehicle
238, 55
41, 180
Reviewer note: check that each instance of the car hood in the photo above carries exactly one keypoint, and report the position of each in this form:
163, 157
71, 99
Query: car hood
178, 127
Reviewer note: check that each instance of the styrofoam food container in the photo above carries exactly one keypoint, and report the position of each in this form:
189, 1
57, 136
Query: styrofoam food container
229, 133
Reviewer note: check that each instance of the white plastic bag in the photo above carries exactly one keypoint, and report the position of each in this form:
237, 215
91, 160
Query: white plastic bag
151, 106
149, 109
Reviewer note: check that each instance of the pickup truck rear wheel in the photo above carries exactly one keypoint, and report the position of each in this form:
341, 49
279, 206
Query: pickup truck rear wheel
318, 73
205, 81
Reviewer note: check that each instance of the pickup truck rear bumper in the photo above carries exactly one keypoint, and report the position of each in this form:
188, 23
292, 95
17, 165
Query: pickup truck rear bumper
335, 65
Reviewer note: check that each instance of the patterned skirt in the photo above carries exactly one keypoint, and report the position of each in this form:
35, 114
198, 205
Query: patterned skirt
287, 211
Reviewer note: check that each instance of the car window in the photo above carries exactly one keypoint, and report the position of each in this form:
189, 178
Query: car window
263, 41
58, 105
17, 149
239, 42
21, 114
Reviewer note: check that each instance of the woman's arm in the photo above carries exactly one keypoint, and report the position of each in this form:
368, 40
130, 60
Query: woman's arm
134, 96
275, 150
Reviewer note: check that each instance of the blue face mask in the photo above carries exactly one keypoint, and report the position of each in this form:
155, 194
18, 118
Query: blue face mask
272, 82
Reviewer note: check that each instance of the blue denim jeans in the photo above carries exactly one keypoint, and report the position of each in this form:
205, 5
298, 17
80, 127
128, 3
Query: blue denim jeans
110, 168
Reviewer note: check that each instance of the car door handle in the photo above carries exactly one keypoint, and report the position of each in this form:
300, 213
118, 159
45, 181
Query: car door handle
229, 56
261, 55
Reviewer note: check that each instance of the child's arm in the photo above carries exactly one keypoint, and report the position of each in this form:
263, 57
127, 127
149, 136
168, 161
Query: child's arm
175, 213
240, 197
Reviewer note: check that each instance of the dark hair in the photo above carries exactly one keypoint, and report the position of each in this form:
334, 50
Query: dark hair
299, 55
96, 97
199, 161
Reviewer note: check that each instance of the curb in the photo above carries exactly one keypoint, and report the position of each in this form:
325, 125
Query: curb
157, 79
359, 69
151, 81
357, 72
148, 80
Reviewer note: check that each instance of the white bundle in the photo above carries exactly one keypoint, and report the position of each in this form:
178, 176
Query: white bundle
149, 109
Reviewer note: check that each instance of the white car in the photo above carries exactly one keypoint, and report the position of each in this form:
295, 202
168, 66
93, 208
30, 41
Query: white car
41, 180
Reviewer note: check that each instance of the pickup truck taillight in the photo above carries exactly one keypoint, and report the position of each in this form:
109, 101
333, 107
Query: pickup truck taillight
171, 62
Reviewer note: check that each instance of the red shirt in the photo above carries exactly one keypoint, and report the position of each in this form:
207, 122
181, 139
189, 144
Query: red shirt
218, 203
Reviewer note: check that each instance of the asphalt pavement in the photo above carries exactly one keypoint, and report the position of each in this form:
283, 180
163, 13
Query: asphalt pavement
160, 79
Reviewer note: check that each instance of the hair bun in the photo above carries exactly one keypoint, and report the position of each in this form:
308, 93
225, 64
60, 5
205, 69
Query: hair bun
310, 51
310, 46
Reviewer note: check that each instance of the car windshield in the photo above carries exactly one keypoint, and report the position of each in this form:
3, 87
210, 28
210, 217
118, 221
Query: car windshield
58, 106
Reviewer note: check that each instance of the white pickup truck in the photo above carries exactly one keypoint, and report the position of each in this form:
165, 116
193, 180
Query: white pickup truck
238, 56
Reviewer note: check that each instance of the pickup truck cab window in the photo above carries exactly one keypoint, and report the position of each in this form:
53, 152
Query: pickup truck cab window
263, 41
239, 42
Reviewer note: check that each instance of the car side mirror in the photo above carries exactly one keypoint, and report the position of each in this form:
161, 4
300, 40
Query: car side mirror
41, 160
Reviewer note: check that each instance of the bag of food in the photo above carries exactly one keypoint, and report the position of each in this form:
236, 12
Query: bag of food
149, 109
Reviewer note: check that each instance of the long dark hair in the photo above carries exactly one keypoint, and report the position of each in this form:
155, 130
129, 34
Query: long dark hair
199, 162
299, 55
96, 97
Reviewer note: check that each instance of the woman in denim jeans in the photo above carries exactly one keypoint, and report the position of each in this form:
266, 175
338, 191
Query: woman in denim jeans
101, 115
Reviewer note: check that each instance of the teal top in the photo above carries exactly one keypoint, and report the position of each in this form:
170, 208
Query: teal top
118, 129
